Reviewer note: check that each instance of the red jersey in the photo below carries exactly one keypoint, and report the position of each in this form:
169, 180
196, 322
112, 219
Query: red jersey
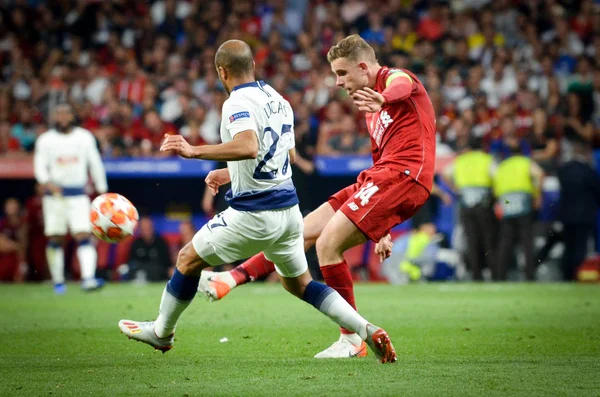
403, 133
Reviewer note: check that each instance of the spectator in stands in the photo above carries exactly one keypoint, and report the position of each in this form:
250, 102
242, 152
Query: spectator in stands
347, 140
13, 242
579, 202
154, 130
500, 83
518, 190
458, 135
404, 37
36, 239
186, 232
24, 129
149, 256
303, 169
576, 122
330, 125
8, 143
544, 144
502, 147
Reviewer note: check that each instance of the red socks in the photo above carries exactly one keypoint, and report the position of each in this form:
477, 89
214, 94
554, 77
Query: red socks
339, 278
254, 268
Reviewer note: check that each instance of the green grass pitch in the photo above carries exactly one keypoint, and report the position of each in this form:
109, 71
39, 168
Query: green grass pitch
451, 339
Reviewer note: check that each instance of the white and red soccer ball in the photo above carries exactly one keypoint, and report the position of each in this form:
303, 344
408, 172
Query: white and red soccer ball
113, 217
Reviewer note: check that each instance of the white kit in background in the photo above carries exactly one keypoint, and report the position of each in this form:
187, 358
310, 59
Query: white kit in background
67, 160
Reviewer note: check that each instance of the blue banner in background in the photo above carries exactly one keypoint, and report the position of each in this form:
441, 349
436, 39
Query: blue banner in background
157, 168
182, 168
342, 165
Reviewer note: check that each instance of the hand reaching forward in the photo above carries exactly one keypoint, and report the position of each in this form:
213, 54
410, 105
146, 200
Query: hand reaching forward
178, 144
368, 100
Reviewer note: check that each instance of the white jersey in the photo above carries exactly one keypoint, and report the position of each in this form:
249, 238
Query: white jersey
65, 159
263, 183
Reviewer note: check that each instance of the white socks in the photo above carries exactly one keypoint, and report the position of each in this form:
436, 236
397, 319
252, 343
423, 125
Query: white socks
56, 262
86, 253
331, 303
177, 296
228, 279
169, 312
355, 339
336, 308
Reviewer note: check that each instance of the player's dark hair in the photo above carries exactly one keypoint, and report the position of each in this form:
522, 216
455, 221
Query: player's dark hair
475, 143
64, 106
354, 48
235, 56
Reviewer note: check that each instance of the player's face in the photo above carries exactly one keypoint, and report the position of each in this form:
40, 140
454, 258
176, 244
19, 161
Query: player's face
223, 78
350, 76
64, 117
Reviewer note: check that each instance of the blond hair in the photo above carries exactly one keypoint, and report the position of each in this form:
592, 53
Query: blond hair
354, 48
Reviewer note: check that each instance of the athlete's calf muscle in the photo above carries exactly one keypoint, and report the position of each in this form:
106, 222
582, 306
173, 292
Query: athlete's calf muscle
189, 262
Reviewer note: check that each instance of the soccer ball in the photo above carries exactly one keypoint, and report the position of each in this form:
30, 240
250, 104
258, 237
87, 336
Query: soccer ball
113, 217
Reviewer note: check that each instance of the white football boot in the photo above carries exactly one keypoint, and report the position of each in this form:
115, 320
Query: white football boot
144, 332
343, 348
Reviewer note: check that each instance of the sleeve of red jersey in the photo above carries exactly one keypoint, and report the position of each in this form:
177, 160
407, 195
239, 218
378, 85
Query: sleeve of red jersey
399, 86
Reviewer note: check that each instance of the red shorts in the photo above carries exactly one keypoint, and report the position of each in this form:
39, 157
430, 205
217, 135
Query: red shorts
380, 199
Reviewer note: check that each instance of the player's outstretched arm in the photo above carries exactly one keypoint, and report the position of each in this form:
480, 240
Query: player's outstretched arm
399, 86
243, 146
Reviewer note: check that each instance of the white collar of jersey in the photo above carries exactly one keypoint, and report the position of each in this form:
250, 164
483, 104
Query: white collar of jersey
258, 84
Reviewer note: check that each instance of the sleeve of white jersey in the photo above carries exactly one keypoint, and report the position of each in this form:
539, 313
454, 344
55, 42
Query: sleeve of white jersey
96, 166
238, 118
40, 162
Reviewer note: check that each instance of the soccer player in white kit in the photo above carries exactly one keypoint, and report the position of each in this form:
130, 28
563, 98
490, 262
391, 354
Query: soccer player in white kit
64, 156
258, 144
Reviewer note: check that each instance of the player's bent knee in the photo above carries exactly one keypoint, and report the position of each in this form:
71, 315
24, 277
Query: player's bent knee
325, 248
189, 262
296, 285
82, 236
315, 222
57, 240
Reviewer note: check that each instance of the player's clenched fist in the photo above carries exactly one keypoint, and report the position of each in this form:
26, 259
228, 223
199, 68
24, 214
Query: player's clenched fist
178, 144
216, 179
384, 247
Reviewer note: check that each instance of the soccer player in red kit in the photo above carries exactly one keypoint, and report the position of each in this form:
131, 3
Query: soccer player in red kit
401, 121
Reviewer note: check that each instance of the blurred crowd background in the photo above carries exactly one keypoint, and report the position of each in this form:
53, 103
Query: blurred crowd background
500, 71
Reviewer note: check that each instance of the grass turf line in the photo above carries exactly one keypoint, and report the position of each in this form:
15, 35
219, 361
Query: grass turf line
452, 340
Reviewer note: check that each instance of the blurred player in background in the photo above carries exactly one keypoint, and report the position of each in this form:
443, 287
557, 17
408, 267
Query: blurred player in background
13, 242
63, 158
401, 121
257, 132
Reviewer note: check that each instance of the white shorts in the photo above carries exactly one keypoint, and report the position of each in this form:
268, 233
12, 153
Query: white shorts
64, 214
234, 235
